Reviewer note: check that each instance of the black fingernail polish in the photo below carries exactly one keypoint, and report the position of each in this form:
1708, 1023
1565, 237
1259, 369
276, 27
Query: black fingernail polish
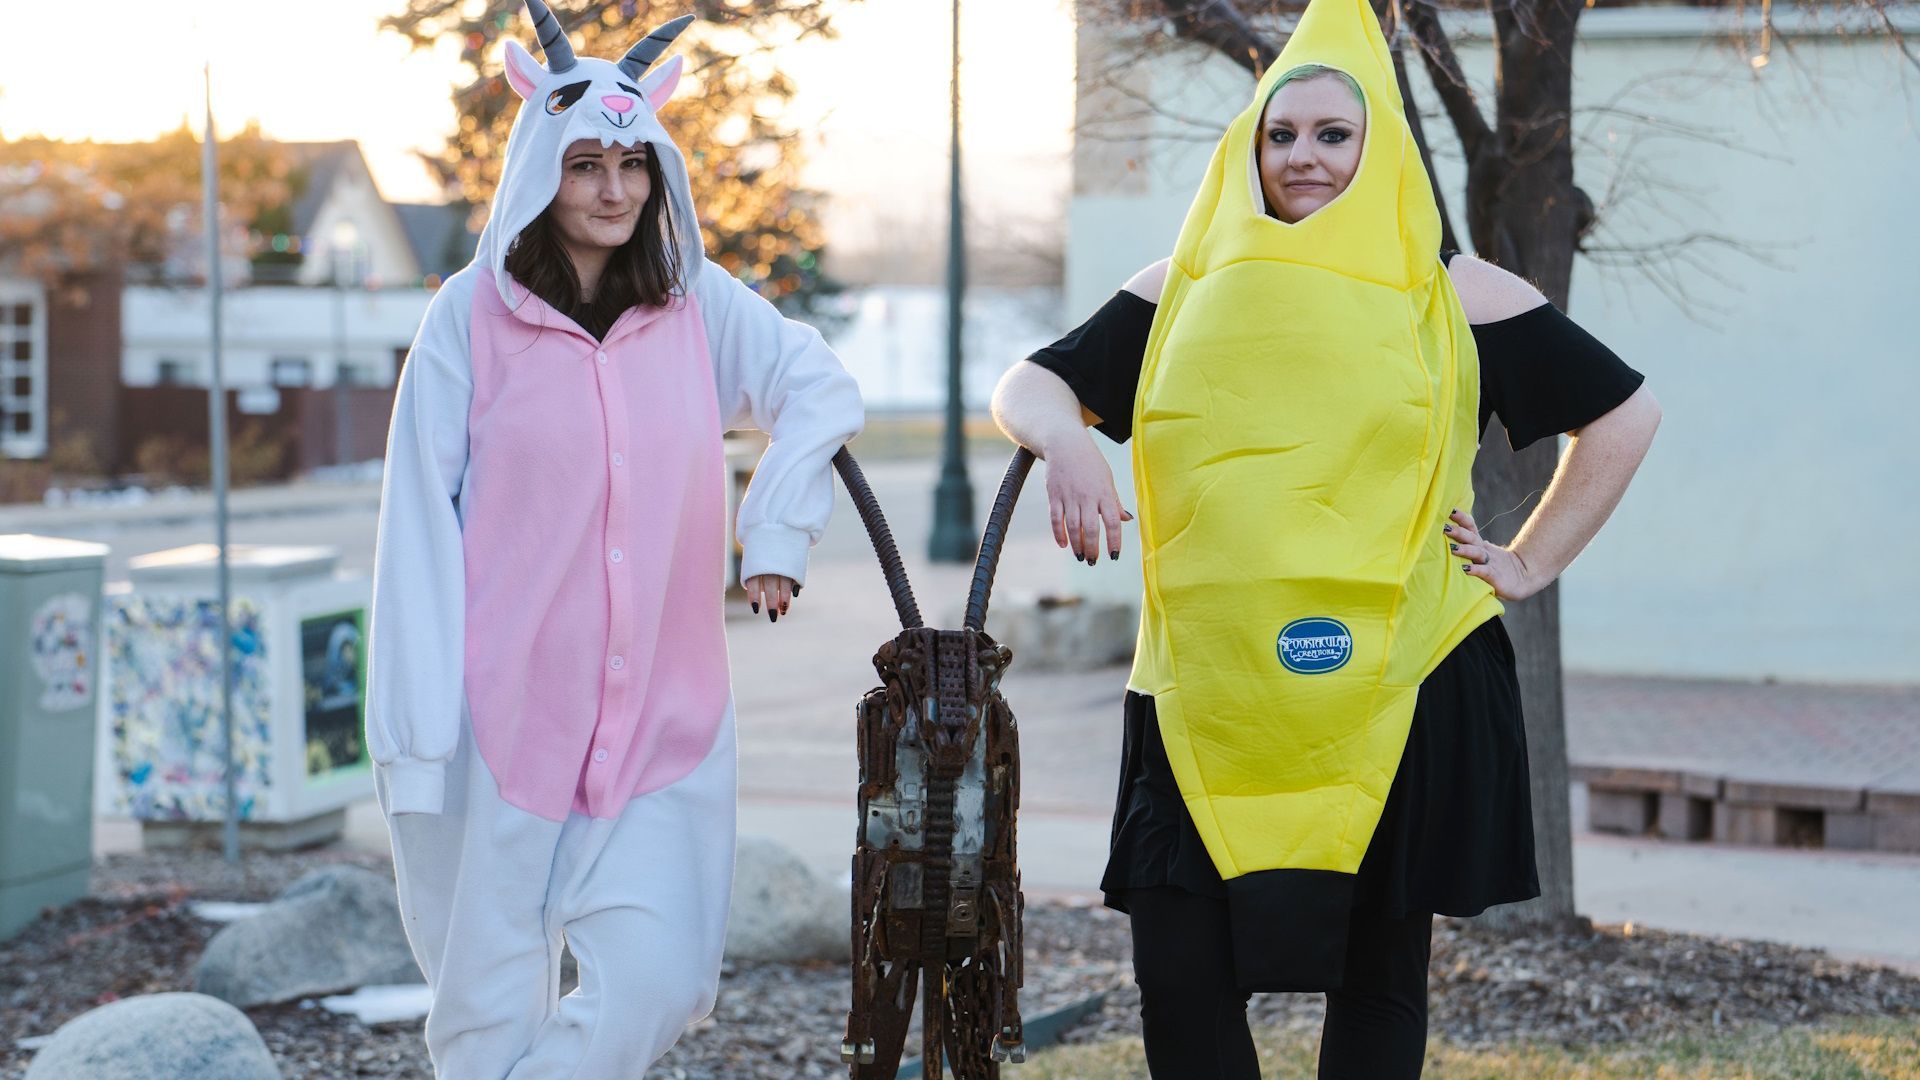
1114, 555
1453, 547
1448, 529
772, 615
796, 590
756, 607
1466, 568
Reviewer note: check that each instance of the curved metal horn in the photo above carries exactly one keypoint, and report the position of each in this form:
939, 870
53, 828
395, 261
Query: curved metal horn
641, 56
997, 521
891, 564
553, 40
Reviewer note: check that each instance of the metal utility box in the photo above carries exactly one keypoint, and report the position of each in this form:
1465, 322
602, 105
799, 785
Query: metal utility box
299, 696
49, 678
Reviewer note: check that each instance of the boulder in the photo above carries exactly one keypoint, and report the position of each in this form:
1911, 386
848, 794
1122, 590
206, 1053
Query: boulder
1062, 633
781, 911
334, 930
157, 1037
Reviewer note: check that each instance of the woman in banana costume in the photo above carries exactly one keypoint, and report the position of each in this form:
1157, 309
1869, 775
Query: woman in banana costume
1323, 741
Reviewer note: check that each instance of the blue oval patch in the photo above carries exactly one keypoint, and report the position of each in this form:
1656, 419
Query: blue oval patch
1315, 646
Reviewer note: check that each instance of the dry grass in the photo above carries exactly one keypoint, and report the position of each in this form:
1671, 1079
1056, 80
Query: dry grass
1878, 1049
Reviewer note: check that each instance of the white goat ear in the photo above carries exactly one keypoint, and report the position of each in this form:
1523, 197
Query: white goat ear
659, 85
523, 71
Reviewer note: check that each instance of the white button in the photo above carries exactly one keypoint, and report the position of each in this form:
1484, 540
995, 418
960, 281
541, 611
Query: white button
619, 458
600, 356
615, 555
617, 662
600, 755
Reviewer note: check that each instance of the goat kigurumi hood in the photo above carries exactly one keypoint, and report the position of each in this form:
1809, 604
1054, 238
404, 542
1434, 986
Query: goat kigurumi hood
581, 97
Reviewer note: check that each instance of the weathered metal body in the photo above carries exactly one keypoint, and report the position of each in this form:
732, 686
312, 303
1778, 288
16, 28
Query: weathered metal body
936, 882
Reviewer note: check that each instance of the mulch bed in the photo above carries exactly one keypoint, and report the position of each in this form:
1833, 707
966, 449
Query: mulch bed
136, 935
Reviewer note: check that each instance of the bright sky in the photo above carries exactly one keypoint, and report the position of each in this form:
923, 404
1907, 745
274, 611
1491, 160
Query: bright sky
875, 98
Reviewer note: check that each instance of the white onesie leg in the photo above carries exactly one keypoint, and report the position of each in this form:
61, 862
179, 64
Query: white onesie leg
643, 903
487, 890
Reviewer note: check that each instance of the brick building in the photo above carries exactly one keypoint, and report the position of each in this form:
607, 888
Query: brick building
101, 377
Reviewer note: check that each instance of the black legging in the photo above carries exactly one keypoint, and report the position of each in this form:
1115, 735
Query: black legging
1195, 1021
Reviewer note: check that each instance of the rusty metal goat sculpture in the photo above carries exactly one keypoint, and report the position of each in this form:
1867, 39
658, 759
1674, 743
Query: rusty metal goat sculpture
936, 885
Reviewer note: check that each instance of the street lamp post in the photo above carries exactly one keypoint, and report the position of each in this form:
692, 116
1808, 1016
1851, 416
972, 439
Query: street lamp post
217, 465
953, 537
343, 237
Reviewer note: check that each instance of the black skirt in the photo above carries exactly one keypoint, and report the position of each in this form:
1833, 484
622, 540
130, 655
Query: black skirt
1455, 837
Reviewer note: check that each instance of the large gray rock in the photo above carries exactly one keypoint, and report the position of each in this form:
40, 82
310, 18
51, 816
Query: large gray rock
157, 1037
781, 912
1062, 633
334, 930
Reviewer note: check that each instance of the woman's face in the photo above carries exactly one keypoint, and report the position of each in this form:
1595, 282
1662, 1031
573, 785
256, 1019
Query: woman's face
602, 189
1310, 139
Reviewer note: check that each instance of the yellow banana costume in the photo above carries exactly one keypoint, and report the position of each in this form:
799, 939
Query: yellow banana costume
1306, 420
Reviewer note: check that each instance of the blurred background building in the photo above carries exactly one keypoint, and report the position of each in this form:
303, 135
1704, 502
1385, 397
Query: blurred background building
1754, 256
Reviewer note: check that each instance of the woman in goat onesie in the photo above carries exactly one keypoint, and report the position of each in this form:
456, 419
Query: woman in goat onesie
549, 712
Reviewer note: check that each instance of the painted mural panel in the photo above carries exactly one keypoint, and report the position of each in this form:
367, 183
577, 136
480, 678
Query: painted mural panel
166, 722
333, 673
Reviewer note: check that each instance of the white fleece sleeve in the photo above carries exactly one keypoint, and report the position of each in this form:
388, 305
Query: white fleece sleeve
416, 652
777, 375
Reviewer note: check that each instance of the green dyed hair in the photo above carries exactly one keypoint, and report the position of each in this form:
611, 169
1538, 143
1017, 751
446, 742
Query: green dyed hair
1315, 71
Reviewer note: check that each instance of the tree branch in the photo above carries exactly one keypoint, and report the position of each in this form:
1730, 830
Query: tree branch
1390, 15
1222, 25
1449, 80
1899, 39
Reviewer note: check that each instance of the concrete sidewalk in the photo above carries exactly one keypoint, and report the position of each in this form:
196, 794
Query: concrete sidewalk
181, 505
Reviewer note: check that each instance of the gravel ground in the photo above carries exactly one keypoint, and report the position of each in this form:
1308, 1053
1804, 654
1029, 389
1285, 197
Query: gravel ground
135, 935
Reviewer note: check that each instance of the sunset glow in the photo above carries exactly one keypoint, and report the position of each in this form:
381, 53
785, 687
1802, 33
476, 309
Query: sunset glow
873, 101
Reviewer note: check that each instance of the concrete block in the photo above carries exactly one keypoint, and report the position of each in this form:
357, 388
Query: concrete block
1638, 778
1049, 633
1701, 785
1683, 817
1804, 796
1740, 823
1627, 777
1629, 812
1896, 803
1897, 832
1850, 832
1768, 825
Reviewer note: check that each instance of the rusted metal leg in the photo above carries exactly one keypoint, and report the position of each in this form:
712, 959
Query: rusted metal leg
890, 1012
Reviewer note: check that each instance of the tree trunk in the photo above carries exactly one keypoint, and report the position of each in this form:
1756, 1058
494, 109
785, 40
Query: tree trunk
1506, 488
1525, 213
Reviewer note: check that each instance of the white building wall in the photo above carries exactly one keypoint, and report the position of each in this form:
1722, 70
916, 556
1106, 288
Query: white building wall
1772, 530
264, 324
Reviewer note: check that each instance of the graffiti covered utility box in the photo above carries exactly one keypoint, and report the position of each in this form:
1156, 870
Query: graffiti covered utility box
299, 694
49, 675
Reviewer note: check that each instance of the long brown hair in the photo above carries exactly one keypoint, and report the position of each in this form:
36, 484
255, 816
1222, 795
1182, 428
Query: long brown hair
643, 271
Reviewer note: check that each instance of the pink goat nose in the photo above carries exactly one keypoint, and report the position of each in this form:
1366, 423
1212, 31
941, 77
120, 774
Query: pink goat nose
619, 103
